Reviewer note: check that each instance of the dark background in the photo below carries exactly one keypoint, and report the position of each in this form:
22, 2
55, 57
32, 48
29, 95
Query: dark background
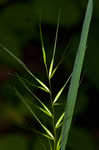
19, 32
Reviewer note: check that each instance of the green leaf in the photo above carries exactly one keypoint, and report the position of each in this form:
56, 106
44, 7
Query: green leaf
34, 85
45, 135
34, 115
42, 134
61, 90
62, 58
41, 109
24, 66
58, 146
53, 72
43, 50
27, 106
52, 61
44, 86
50, 145
59, 121
48, 112
51, 68
48, 132
74, 85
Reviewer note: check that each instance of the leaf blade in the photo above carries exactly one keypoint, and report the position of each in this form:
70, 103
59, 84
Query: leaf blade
34, 85
43, 50
59, 121
73, 90
61, 90
24, 66
44, 106
56, 37
62, 58
58, 146
34, 115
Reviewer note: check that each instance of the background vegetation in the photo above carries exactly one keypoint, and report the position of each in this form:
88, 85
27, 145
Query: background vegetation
19, 31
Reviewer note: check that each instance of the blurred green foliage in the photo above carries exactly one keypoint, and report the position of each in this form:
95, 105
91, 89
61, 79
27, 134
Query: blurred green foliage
13, 142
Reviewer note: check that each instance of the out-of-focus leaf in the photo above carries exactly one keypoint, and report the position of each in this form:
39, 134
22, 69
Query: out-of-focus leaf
13, 142
79, 136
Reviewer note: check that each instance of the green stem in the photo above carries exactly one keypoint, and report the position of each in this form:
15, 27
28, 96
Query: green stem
53, 118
